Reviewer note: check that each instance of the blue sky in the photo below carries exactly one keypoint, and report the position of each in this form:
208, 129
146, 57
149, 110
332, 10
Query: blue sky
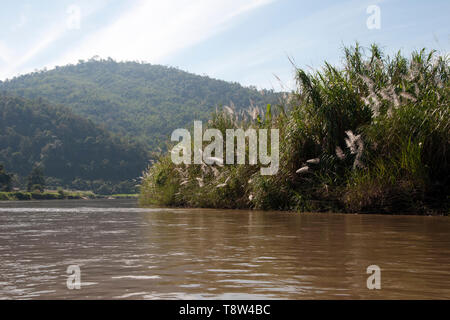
235, 40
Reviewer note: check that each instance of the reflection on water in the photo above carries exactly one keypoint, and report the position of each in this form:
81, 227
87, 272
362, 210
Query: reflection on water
125, 252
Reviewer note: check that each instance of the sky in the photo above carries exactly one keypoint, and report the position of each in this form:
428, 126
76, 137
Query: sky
253, 42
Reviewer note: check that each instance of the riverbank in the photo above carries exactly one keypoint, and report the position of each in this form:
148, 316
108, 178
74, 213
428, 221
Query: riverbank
60, 195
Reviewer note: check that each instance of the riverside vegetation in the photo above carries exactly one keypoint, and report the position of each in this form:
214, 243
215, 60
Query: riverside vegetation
36, 189
371, 136
59, 195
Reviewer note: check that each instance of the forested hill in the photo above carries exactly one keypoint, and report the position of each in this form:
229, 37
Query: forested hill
70, 148
143, 101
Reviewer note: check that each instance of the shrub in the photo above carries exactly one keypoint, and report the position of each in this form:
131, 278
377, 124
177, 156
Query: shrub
371, 136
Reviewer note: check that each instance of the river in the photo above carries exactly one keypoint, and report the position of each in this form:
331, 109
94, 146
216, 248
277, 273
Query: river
126, 252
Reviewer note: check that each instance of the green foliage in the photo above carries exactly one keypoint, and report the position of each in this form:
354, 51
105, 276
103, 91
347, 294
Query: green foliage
36, 180
160, 185
5, 180
68, 147
5, 196
49, 195
372, 136
20, 195
141, 101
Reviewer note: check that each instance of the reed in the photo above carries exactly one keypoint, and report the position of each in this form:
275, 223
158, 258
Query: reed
369, 136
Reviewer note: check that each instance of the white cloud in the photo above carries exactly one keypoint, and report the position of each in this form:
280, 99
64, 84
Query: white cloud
52, 33
265, 59
43, 43
152, 30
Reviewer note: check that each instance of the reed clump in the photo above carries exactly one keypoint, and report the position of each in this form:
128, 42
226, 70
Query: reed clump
370, 136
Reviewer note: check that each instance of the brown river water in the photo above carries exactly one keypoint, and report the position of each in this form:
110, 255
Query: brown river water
126, 252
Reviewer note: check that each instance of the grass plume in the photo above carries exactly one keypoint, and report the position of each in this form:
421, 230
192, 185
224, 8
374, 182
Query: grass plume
369, 136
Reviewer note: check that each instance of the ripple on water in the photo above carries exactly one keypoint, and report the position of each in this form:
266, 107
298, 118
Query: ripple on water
202, 254
137, 277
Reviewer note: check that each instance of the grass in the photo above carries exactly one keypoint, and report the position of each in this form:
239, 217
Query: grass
125, 196
59, 195
369, 136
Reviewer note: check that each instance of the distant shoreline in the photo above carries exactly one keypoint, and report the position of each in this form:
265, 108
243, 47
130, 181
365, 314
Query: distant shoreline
60, 195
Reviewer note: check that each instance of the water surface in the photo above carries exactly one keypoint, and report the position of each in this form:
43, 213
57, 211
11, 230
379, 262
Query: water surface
125, 252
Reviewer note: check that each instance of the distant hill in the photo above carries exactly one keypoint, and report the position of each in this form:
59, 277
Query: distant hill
143, 101
74, 151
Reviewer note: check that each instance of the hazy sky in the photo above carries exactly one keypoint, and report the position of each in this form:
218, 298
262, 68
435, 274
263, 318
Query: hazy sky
246, 41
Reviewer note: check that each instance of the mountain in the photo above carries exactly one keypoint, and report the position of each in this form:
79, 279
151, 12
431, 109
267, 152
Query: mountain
142, 101
73, 151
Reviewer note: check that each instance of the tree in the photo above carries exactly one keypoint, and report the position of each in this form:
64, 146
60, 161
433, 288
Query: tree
5, 180
36, 180
67, 146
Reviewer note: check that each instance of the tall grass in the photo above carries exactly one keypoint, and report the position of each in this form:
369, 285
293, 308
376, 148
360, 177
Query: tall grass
370, 136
